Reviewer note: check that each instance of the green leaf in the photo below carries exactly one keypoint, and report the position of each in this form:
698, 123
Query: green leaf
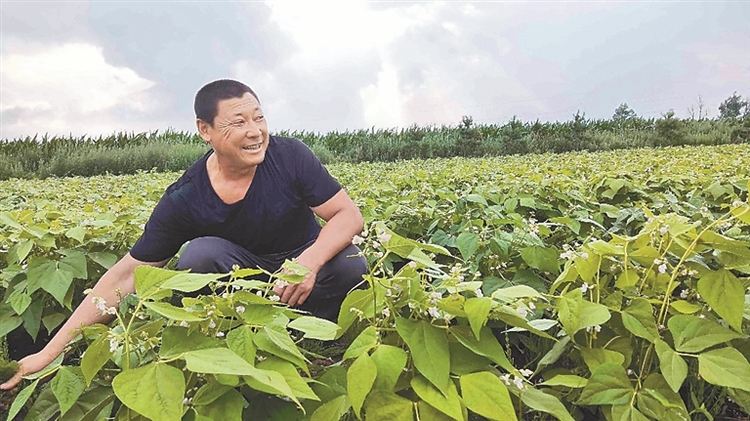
467, 243
292, 272
608, 385
226, 407
21, 251
360, 378
429, 412
555, 353
296, 383
488, 346
19, 301
477, 309
360, 299
589, 267
67, 386
104, 259
240, 340
97, 354
382, 406
390, 362
315, 328
542, 258
43, 273
595, 357
74, 263
21, 399
693, 334
514, 292
448, 403
627, 280
567, 380
148, 279
725, 367
332, 410
176, 340
725, 294
173, 313
365, 341
275, 340
32, 318
429, 349
627, 413
486, 395
93, 405
155, 391
218, 361
540, 401
673, 367
685, 307
638, 318
189, 282
209, 392
576, 313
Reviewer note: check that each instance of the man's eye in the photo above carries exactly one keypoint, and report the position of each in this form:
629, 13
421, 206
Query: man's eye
238, 123
260, 118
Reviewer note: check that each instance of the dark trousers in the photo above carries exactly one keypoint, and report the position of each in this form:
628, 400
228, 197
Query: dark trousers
334, 280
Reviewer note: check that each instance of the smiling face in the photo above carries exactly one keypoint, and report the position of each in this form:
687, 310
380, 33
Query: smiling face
239, 133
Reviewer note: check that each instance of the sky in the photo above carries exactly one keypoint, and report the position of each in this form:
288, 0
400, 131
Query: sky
100, 67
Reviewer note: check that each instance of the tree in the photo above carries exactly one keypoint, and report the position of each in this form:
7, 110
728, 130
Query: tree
734, 107
701, 111
623, 113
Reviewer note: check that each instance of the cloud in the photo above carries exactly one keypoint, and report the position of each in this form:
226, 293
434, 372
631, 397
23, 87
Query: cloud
68, 88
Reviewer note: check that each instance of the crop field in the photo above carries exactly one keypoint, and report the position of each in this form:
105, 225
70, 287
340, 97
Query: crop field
608, 285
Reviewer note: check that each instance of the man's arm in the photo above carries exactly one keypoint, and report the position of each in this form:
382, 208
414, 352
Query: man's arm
343, 222
120, 276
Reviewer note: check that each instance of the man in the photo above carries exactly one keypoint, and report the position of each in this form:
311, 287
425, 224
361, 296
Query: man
250, 201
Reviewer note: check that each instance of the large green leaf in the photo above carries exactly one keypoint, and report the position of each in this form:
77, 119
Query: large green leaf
177, 340
595, 357
638, 318
486, 395
361, 300
448, 403
385, 406
542, 258
227, 407
155, 391
540, 401
693, 334
673, 367
148, 279
218, 361
467, 243
608, 385
240, 340
189, 282
173, 313
390, 362
96, 356
275, 340
627, 413
477, 309
725, 367
429, 350
488, 346
44, 273
575, 313
315, 327
359, 380
365, 341
332, 410
67, 386
21, 399
296, 383
725, 294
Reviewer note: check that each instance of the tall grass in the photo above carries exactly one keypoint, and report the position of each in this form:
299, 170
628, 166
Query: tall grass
127, 153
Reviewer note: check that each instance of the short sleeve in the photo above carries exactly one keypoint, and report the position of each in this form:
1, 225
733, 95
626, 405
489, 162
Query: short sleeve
315, 183
164, 233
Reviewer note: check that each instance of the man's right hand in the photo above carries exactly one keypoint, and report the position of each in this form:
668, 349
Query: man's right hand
28, 365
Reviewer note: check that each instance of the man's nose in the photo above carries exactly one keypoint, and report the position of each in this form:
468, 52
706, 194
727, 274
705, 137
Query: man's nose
254, 130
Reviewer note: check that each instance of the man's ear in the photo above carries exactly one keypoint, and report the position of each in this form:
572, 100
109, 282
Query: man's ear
203, 129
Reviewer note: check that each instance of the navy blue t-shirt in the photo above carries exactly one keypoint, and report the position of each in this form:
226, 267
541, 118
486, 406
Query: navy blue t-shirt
274, 216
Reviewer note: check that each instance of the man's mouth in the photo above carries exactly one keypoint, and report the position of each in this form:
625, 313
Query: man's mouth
252, 148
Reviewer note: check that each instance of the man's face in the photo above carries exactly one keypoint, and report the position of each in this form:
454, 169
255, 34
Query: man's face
239, 135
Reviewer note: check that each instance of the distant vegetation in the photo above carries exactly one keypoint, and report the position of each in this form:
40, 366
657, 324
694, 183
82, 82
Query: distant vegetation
123, 153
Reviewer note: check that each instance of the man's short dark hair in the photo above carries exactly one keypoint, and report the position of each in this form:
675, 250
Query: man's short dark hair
208, 97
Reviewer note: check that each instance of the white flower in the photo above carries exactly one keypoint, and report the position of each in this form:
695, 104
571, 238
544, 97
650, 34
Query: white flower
259, 293
532, 305
186, 401
411, 305
113, 343
684, 293
522, 311
110, 311
598, 328
584, 287
378, 254
211, 324
413, 265
184, 324
274, 298
526, 372
479, 293
388, 292
87, 291
386, 312
433, 311
584, 255
225, 295
219, 334
357, 240
663, 230
518, 381
281, 283
240, 309
630, 372
569, 255
505, 378
663, 268
384, 237
657, 261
